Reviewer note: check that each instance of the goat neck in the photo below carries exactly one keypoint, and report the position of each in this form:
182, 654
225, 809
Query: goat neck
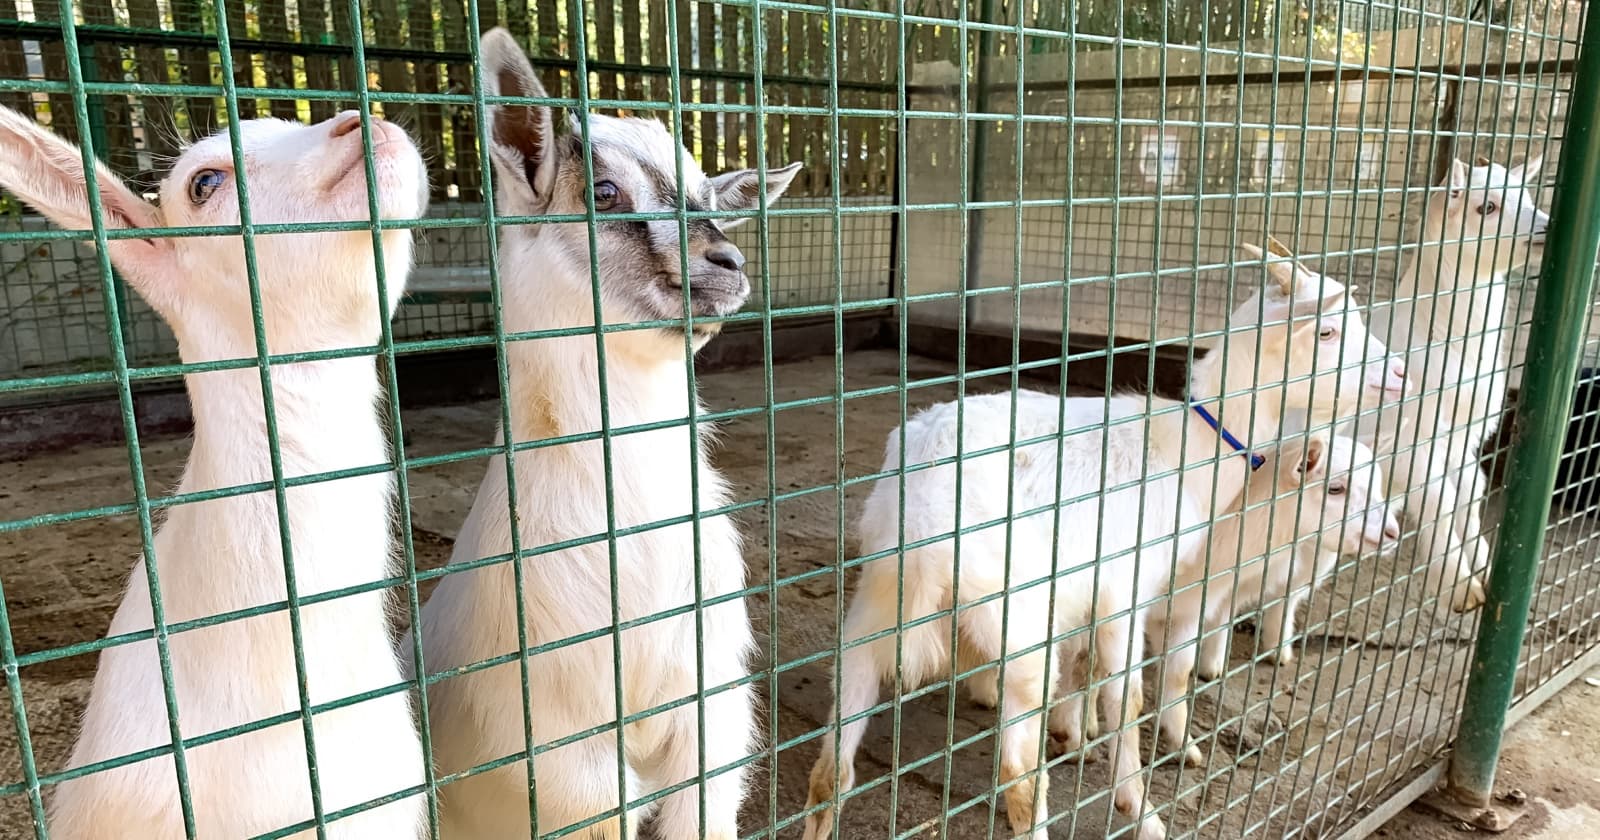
1437, 269
1253, 415
556, 382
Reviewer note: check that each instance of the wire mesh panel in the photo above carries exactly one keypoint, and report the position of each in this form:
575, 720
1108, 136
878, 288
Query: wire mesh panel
868, 388
420, 50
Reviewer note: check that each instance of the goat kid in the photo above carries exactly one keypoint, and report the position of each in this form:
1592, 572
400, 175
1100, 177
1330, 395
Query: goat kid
562, 493
1267, 360
1448, 316
1383, 382
318, 292
1322, 500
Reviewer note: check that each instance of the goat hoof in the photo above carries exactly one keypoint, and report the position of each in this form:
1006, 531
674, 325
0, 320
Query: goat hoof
983, 690
1152, 829
1192, 756
819, 826
1286, 655
1469, 596
1078, 746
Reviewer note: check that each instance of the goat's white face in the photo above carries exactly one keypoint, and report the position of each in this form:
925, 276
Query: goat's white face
1343, 501
301, 174
1487, 218
1329, 355
317, 288
539, 169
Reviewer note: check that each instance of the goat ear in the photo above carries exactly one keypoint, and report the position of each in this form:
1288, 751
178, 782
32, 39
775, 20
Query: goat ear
1528, 170
741, 190
1332, 300
1314, 461
1482, 161
47, 172
1457, 179
522, 137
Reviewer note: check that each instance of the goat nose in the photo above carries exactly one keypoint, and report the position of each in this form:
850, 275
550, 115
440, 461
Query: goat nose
344, 123
725, 255
1399, 371
1391, 530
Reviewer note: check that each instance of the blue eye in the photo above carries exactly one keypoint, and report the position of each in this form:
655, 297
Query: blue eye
205, 182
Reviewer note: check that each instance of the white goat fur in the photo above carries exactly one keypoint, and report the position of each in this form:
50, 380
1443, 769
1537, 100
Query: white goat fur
1308, 354
561, 495
1480, 226
1322, 499
318, 292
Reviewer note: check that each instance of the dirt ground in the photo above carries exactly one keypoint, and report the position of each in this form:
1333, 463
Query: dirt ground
1293, 751
1553, 756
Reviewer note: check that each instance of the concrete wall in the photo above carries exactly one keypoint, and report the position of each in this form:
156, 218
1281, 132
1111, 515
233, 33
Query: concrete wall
1136, 194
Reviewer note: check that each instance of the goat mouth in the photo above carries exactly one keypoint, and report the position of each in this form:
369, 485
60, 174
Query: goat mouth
1377, 546
711, 294
1388, 392
353, 168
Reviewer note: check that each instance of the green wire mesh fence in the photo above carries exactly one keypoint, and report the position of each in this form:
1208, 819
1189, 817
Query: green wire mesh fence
994, 198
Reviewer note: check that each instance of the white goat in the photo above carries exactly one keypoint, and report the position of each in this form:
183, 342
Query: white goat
1276, 552
1136, 446
1449, 318
562, 494
318, 292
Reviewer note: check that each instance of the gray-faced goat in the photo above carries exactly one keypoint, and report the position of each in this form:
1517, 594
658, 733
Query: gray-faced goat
562, 493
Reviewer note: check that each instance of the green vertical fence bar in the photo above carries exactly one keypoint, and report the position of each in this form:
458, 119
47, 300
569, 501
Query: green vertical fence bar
1565, 288
96, 129
979, 104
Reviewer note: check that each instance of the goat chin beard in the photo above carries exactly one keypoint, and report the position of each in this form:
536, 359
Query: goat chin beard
699, 335
702, 333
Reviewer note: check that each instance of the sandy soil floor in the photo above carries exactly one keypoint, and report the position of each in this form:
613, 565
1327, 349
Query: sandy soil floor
1553, 756
1291, 751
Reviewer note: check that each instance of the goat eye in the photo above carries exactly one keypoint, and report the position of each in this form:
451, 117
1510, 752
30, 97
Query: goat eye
1336, 489
1487, 208
606, 196
205, 182
1327, 333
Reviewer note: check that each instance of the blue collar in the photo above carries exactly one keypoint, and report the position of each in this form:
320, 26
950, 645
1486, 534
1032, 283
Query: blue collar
1255, 460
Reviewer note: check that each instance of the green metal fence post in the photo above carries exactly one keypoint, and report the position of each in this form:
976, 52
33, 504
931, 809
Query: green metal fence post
102, 144
980, 150
1565, 288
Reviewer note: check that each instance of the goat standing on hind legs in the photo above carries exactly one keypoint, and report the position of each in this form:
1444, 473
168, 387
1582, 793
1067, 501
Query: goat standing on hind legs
1448, 316
318, 292
573, 491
